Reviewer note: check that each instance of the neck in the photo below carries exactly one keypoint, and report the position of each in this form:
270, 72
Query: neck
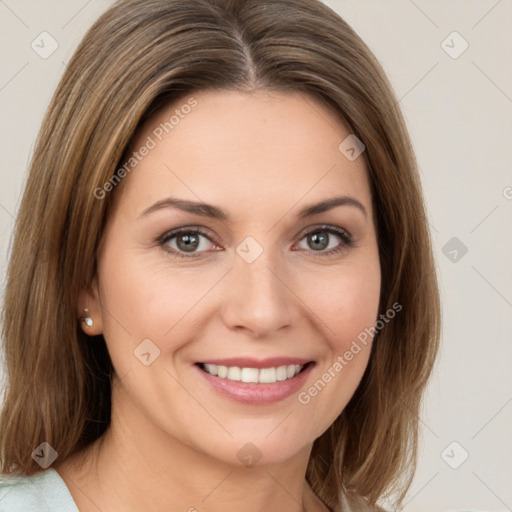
136, 466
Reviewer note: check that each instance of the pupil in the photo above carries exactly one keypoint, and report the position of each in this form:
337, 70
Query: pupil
318, 239
190, 242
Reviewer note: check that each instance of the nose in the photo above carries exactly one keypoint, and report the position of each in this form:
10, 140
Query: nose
258, 298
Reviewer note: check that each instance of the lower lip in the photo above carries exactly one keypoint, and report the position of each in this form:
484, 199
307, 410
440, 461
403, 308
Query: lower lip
256, 394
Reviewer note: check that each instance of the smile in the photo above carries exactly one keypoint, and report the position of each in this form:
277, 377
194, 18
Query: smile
253, 375
255, 381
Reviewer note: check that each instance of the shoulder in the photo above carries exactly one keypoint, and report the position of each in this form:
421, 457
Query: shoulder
18, 493
44, 491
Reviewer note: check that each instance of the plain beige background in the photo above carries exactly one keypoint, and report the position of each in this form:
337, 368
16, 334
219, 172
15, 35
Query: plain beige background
458, 105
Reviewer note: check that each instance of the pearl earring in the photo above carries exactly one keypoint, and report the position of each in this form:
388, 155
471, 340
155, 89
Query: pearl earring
87, 320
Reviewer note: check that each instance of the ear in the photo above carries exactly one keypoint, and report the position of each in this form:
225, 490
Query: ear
90, 314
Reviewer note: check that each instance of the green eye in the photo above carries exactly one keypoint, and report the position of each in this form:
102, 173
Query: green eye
188, 242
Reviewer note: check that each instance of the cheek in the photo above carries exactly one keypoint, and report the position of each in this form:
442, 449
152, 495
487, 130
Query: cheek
143, 299
347, 308
346, 302
139, 292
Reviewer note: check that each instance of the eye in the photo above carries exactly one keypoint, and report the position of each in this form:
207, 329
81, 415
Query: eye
185, 242
320, 238
190, 242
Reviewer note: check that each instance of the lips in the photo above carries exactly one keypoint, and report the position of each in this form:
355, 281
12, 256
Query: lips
255, 381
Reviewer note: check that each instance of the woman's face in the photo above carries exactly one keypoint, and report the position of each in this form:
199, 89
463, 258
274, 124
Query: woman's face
260, 279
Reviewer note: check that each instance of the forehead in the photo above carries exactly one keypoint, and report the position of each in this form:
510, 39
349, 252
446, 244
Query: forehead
245, 148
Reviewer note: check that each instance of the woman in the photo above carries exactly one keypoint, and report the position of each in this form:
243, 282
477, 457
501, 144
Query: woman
221, 293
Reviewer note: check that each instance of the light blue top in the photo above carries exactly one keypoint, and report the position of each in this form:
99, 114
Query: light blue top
43, 492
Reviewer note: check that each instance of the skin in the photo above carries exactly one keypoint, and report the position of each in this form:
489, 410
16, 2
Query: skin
173, 440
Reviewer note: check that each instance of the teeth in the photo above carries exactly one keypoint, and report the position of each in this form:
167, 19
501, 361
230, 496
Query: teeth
282, 373
249, 375
256, 375
211, 368
267, 375
234, 373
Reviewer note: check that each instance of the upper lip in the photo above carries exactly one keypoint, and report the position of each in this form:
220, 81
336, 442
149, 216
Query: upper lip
248, 362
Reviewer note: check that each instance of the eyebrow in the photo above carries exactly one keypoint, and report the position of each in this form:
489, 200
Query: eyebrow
208, 210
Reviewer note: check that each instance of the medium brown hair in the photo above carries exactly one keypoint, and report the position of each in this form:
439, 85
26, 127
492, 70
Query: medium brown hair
138, 57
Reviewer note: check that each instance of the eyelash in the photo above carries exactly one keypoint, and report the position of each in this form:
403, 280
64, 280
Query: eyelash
345, 236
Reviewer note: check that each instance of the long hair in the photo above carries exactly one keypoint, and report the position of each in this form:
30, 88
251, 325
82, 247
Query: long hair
138, 57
